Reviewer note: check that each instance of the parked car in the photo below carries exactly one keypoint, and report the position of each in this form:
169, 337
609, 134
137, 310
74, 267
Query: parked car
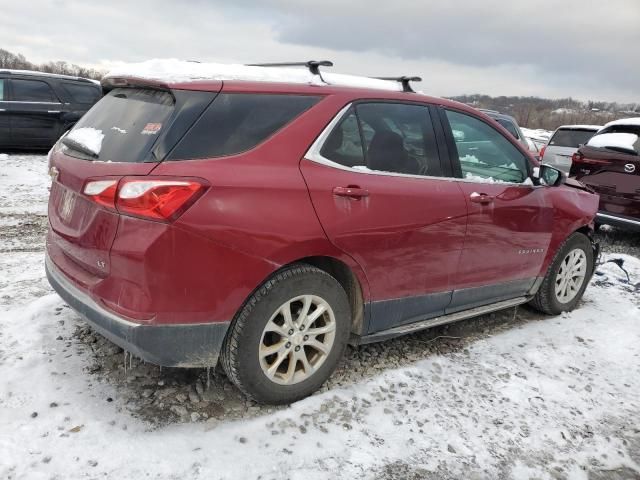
270, 223
36, 108
610, 164
511, 125
564, 142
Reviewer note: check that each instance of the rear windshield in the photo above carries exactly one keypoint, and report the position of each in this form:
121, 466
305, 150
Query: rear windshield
82, 93
570, 137
236, 122
511, 128
122, 127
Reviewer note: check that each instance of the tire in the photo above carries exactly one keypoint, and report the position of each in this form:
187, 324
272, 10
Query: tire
260, 328
549, 298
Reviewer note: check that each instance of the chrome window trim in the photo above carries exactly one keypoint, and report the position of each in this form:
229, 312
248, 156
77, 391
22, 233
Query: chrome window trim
32, 103
314, 155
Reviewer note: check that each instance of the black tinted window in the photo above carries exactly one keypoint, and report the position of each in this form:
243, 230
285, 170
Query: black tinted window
511, 128
399, 138
570, 138
344, 145
129, 119
484, 153
234, 123
32, 91
82, 93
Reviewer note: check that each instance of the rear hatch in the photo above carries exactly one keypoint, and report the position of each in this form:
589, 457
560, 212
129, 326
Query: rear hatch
563, 144
125, 134
612, 174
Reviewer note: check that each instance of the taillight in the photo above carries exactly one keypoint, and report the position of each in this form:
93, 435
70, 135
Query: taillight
153, 198
544, 147
103, 192
579, 157
157, 199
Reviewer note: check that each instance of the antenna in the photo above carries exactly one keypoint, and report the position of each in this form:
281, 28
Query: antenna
404, 80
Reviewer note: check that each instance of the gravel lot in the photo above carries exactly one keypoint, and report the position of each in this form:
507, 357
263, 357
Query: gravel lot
159, 399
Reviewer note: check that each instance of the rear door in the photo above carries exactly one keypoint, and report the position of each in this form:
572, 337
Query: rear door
126, 133
509, 220
35, 113
384, 197
5, 134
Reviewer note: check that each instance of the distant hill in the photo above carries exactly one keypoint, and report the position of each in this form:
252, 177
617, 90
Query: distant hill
535, 112
10, 60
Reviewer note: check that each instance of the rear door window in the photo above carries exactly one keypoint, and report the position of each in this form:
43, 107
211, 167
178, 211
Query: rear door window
237, 122
385, 137
122, 127
86, 94
32, 91
485, 155
570, 137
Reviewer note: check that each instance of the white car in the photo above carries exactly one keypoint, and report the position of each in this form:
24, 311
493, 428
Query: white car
564, 142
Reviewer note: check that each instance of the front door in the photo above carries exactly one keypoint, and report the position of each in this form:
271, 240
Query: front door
509, 219
35, 113
377, 184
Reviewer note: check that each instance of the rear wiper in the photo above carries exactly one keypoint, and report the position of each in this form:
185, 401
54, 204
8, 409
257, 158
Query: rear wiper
77, 146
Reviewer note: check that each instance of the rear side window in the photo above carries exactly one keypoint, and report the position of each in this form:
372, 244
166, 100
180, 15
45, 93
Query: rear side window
511, 128
385, 137
32, 91
570, 137
123, 126
237, 122
484, 153
82, 93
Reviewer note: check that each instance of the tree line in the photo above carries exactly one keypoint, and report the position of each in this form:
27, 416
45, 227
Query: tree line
18, 61
536, 112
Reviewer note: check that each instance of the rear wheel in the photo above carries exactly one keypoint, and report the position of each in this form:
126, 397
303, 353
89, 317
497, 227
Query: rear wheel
567, 276
289, 336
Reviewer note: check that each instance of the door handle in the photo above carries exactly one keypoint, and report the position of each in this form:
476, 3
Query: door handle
480, 198
351, 192
53, 111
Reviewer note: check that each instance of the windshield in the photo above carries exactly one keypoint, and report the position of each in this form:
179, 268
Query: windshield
570, 137
122, 127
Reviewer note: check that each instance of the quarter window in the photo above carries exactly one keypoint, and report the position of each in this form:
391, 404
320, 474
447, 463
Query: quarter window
235, 123
32, 91
385, 137
1, 90
484, 153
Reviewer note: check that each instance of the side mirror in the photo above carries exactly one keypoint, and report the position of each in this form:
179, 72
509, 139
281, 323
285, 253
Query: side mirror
548, 175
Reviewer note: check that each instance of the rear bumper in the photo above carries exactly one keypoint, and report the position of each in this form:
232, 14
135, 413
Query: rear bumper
183, 345
618, 220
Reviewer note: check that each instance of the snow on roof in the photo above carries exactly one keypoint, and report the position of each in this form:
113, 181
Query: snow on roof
177, 71
45, 74
624, 121
619, 140
580, 127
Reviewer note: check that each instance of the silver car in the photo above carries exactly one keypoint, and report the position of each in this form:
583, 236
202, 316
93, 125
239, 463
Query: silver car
564, 142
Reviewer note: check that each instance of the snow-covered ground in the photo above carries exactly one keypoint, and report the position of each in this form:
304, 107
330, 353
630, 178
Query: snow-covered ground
510, 395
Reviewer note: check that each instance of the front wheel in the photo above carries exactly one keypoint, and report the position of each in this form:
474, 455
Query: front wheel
567, 276
289, 336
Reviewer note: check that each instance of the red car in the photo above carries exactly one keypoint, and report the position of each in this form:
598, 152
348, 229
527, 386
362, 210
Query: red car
270, 223
610, 164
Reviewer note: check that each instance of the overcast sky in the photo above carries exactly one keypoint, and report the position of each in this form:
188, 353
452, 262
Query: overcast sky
552, 48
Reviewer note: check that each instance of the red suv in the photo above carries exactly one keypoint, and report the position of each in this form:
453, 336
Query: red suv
270, 223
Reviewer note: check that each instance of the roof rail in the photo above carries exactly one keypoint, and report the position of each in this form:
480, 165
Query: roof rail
406, 87
312, 65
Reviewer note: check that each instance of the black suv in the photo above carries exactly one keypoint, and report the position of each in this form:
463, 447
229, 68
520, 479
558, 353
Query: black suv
36, 108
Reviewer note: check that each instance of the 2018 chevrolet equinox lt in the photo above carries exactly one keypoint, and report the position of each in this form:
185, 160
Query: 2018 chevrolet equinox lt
266, 217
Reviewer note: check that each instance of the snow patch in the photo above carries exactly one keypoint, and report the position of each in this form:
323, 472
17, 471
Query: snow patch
479, 179
619, 140
176, 71
88, 137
